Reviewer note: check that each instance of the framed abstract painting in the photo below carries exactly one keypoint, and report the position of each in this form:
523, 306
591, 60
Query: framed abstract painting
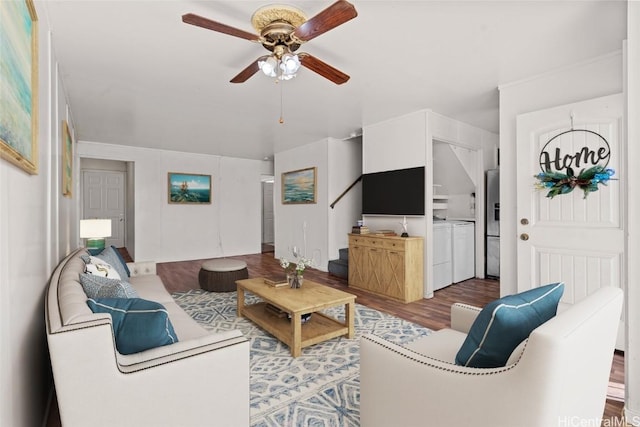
67, 160
189, 188
299, 186
19, 84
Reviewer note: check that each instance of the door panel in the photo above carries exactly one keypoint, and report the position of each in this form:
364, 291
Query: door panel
103, 197
571, 238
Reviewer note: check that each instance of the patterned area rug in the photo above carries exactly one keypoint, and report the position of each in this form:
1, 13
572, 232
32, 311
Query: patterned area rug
319, 388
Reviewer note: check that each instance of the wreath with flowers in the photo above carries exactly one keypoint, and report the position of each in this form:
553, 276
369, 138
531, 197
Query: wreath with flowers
587, 180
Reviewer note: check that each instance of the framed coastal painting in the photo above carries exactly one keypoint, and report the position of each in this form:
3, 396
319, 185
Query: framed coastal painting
19, 84
189, 188
67, 160
299, 186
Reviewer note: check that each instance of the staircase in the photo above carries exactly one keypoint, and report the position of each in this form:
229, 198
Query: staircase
340, 267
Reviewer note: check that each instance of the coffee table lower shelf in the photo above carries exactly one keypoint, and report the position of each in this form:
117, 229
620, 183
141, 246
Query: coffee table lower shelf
318, 329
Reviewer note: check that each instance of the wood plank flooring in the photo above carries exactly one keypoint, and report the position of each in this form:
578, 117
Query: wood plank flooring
431, 313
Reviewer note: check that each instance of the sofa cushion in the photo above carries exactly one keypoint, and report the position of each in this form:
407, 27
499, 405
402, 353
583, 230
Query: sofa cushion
150, 286
138, 324
504, 323
103, 287
112, 256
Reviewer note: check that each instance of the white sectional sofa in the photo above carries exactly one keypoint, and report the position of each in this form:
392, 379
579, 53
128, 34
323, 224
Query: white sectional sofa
203, 379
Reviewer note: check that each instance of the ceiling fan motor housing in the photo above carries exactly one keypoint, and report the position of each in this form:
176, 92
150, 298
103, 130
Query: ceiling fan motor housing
278, 33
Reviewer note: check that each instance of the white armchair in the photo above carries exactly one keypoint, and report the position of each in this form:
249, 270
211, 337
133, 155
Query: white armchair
557, 377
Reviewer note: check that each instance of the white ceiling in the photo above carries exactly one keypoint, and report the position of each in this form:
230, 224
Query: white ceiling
135, 74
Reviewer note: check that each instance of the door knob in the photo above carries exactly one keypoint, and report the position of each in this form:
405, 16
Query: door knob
524, 221
524, 236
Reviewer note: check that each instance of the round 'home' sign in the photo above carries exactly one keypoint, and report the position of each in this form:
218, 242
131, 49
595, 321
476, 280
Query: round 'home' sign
558, 165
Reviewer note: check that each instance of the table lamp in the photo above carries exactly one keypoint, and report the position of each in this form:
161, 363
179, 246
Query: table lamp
95, 231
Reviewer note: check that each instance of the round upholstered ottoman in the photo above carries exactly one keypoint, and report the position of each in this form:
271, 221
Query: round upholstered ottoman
220, 275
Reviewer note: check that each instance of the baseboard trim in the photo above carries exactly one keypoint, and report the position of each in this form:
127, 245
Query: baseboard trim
632, 418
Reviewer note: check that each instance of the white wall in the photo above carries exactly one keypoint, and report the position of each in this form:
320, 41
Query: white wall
345, 166
230, 225
397, 143
598, 77
632, 297
294, 222
315, 228
36, 230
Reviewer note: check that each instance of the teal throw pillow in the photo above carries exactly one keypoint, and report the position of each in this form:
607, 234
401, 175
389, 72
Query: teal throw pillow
112, 256
122, 261
103, 287
138, 324
506, 322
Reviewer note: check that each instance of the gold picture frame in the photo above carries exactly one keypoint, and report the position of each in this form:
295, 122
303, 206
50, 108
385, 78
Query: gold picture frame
299, 186
67, 160
19, 84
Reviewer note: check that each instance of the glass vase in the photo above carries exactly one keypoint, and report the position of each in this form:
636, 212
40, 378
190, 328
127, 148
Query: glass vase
295, 280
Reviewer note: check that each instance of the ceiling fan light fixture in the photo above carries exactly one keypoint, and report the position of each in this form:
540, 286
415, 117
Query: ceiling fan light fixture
289, 64
268, 65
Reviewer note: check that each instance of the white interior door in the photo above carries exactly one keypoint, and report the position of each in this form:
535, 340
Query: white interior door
267, 213
103, 197
570, 238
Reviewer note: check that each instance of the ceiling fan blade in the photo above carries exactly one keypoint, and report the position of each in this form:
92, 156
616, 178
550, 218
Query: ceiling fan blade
336, 14
322, 68
200, 21
245, 74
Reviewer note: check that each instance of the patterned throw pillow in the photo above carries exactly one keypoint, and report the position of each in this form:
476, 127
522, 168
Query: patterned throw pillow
138, 324
504, 323
103, 287
112, 256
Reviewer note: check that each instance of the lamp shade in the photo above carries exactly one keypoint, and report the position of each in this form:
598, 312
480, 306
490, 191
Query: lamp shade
95, 228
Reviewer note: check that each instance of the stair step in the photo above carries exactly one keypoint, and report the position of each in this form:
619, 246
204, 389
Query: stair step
344, 254
339, 267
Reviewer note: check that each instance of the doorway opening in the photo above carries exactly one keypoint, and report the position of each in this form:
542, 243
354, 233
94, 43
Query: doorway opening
107, 191
267, 214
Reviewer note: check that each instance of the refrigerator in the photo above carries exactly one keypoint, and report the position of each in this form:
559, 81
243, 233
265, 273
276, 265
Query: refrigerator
492, 228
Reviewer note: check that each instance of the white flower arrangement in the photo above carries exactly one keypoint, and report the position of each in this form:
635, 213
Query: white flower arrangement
300, 265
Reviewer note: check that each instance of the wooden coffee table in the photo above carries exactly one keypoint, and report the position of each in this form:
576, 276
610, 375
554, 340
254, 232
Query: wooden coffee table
310, 298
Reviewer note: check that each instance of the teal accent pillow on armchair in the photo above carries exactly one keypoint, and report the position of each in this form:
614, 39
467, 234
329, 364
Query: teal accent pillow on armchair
138, 324
506, 322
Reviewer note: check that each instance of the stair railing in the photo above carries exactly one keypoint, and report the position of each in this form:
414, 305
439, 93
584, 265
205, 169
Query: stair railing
346, 191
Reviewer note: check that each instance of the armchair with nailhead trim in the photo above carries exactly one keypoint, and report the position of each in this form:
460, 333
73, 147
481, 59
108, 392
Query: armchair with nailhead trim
558, 376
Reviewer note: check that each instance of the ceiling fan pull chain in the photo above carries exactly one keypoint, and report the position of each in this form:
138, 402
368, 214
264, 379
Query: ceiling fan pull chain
281, 121
280, 83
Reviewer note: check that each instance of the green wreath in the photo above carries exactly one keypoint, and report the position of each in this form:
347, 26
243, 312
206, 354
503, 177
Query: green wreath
587, 180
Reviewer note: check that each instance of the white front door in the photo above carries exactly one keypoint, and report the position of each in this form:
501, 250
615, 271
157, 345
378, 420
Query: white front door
571, 238
103, 197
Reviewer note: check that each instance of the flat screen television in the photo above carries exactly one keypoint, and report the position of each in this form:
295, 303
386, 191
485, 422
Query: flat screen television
396, 192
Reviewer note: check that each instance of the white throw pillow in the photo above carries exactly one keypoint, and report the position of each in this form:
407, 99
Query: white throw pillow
98, 267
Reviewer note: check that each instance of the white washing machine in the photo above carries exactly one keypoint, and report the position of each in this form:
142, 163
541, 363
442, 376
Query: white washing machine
463, 248
442, 255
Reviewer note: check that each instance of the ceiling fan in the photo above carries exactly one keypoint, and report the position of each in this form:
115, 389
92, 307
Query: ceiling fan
282, 30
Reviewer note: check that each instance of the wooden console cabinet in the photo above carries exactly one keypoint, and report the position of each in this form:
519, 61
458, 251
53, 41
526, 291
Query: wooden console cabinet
392, 266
